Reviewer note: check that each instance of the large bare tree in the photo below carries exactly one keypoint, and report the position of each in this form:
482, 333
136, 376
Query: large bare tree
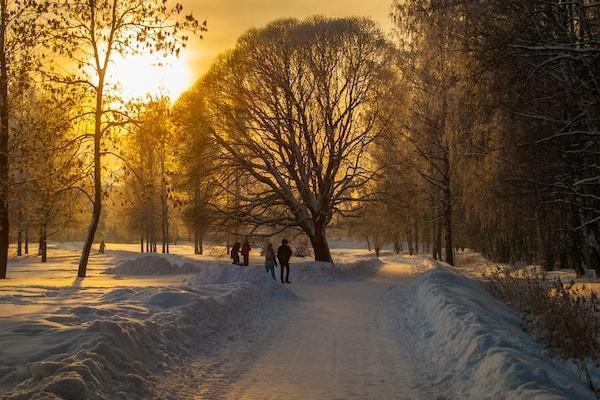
295, 107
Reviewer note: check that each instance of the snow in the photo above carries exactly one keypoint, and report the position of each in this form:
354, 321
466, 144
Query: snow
111, 342
475, 345
151, 265
185, 326
336, 343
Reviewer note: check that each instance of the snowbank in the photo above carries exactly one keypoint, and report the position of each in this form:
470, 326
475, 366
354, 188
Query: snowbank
475, 345
151, 265
113, 345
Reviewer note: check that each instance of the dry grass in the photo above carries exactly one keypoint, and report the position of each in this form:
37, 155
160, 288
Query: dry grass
564, 316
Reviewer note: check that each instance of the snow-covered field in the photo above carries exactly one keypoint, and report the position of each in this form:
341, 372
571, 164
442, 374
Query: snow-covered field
186, 327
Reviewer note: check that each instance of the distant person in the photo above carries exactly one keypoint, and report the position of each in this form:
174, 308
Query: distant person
235, 253
102, 247
284, 252
246, 252
270, 260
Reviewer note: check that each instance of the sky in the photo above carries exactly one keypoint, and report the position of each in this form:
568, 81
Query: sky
227, 20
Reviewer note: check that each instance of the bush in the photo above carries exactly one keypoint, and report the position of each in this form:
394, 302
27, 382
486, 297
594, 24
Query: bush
564, 316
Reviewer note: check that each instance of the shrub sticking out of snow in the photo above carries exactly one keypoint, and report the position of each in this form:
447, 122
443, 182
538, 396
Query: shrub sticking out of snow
564, 316
475, 345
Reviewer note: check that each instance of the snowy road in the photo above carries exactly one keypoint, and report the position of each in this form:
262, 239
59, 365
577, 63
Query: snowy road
337, 342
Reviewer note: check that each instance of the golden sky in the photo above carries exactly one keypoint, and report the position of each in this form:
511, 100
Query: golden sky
228, 19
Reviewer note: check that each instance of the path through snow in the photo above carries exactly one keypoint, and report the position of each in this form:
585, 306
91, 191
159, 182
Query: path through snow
336, 342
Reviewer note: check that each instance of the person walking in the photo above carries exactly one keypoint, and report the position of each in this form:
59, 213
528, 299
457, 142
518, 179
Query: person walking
283, 254
235, 253
270, 260
246, 252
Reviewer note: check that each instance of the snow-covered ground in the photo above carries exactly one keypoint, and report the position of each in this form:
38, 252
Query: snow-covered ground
107, 336
473, 346
195, 327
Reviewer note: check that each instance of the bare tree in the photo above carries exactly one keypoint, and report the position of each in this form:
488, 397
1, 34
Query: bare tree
294, 107
91, 34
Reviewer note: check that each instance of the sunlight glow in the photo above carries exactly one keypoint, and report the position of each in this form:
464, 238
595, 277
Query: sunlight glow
143, 74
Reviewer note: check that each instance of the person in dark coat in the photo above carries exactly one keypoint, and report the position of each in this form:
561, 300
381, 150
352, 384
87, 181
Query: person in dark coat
235, 253
284, 252
246, 252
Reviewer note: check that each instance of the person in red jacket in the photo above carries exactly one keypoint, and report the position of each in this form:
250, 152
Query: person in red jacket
246, 252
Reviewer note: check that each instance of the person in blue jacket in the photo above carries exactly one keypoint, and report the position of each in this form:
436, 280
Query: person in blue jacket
270, 260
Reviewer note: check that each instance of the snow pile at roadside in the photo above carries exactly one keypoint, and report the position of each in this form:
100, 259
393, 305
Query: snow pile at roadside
234, 274
150, 265
473, 344
113, 345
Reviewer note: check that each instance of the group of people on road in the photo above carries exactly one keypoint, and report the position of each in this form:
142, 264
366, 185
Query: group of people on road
244, 250
283, 255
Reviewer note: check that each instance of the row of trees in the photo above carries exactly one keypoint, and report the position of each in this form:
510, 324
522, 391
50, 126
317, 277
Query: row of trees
498, 143
55, 50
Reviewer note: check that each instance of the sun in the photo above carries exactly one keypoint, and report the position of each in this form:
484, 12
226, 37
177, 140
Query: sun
150, 74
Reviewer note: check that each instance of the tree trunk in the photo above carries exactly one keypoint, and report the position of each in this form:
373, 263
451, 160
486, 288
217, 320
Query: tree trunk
43, 244
142, 241
26, 241
40, 244
434, 252
4, 136
416, 237
448, 234
201, 245
97, 208
438, 241
19, 243
409, 243
320, 245
163, 202
448, 212
147, 240
196, 242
